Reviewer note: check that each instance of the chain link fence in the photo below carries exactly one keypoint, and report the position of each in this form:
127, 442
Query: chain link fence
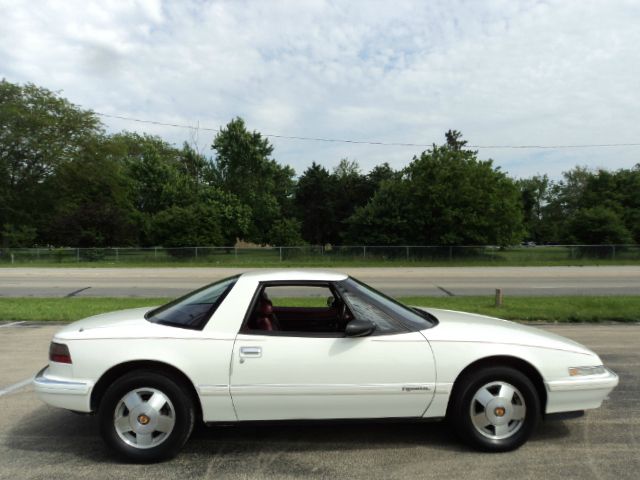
309, 254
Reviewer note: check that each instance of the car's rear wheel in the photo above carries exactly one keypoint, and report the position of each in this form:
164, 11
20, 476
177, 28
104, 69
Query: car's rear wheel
146, 416
495, 409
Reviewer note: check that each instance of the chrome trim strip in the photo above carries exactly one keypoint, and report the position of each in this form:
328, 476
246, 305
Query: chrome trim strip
444, 388
335, 389
213, 390
44, 384
586, 382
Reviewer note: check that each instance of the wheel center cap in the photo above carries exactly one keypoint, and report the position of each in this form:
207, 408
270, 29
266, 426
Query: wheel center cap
143, 419
499, 411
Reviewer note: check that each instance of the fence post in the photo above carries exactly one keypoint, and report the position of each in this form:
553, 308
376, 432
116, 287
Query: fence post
196, 252
498, 297
280, 253
450, 253
364, 252
155, 252
613, 252
12, 258
235, 252
407, 250
77, 255
117, 255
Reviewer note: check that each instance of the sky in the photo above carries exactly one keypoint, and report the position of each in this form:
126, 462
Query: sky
503, 72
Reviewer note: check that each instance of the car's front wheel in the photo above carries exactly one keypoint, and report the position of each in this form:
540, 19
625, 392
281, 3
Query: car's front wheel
146, 416
495, 409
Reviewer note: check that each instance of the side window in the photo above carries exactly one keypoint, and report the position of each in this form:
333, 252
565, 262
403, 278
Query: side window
299, 296
298, 309
367, 311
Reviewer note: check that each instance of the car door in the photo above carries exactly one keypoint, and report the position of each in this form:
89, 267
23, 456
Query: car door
321, 375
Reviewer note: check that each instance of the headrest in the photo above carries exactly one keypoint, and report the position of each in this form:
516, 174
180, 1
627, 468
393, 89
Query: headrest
265, 308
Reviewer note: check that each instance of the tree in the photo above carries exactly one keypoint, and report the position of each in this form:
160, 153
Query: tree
351, 190
534, 193
598, 226
314, 204
581, 190
159, 178
379, 174
447, 197
454, 140
286, 232
385, 220
92, 205
217, 221
39, 132
245, 169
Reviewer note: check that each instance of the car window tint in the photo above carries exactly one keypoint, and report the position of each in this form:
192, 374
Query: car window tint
194, 309
299, 296
365, 310
409, 318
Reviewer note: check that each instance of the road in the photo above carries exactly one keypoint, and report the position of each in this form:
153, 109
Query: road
37, 441
172, 282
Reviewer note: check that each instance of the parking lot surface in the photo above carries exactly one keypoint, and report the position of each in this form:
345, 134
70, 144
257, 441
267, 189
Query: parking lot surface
37, 441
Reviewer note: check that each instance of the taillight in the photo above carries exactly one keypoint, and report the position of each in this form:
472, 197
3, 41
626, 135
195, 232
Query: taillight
59, 352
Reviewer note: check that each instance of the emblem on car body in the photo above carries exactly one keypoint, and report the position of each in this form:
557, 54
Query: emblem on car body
407, 388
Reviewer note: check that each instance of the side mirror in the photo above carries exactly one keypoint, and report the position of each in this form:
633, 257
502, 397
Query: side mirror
359, 328
330, 301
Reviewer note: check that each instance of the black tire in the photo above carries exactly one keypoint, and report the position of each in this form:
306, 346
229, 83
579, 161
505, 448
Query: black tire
179, 410
500, 415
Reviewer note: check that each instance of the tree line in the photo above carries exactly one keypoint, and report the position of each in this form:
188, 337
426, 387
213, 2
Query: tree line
65, 182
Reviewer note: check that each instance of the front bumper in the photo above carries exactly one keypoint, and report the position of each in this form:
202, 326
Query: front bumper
580, 393
64, 393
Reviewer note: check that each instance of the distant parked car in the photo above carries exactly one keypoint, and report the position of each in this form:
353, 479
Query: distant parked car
292, 345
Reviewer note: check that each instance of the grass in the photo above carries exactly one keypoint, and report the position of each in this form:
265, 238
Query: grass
66, 309
548, 309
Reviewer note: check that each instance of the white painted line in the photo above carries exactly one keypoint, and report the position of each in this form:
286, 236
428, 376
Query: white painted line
12, 324
16, 386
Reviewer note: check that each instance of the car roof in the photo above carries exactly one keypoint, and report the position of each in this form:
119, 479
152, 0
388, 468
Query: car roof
294, 275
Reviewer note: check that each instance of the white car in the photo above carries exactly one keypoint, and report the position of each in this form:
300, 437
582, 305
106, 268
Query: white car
291, 345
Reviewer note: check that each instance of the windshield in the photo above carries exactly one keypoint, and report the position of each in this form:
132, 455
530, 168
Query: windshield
410, 318
194, 309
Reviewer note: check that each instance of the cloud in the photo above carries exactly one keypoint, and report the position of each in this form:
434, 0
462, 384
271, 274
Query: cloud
502, 72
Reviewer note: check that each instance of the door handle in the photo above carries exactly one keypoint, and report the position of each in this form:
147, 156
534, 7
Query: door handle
250, 352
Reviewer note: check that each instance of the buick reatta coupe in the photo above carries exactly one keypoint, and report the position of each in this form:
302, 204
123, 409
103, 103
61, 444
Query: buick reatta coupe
312, 345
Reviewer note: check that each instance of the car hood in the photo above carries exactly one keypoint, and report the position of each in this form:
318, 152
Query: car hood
128, 323
470, 327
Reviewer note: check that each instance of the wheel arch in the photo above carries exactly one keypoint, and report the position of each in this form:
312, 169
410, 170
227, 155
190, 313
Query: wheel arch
503, 361
121, 369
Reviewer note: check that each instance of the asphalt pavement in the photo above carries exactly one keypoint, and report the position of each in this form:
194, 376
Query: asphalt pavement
405, 281
41, 442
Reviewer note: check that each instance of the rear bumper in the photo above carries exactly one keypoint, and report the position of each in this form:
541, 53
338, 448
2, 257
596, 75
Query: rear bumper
580, 393
62, 392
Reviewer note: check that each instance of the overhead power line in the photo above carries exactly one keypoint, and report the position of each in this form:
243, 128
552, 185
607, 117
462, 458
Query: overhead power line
365, 142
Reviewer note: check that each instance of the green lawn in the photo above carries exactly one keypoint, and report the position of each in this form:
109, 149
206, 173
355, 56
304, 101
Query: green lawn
549, 309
